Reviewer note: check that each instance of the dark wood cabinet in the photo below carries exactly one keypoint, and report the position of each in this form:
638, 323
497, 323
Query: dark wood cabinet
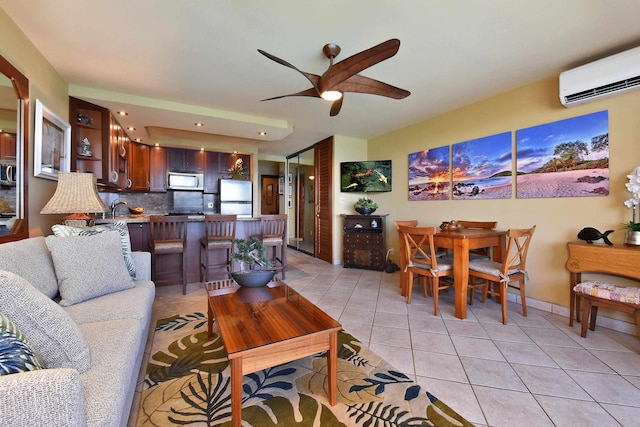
157, 169
7, 146
227, 160
89, 139
364, 241
211, 172
180, 159
138, 167
139, 236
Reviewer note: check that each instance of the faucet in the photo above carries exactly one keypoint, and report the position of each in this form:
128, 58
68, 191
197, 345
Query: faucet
114, 206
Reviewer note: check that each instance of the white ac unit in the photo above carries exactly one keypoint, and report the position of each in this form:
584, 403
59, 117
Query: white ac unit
608, 76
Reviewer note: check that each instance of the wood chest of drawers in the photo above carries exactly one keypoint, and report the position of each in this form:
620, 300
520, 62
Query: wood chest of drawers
364, 241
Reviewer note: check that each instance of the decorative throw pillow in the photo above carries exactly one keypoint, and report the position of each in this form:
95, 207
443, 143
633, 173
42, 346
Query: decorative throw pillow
88, 266
51, 331
30, 259
16, 353
119, 226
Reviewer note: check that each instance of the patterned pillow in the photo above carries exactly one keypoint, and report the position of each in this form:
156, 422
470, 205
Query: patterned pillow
88, 266
16, 353
119, 226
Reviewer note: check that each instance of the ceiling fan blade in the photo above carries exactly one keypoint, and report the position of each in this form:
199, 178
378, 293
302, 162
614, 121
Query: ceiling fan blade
309, 92
335, 107
313, 78
354, 64
362, 84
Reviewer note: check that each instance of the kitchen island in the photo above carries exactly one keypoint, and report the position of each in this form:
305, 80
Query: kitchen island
139, 235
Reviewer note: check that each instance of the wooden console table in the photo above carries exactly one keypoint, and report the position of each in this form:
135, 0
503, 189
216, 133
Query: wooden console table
618, 260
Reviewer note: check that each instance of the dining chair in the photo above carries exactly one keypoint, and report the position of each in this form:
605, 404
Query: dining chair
512, 269
402, 255
168, 235
421, 258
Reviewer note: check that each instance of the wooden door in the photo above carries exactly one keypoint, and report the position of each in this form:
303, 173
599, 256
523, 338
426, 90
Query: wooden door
323, 166
269, 190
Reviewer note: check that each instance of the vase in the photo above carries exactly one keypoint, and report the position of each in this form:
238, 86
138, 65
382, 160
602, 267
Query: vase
632, 238
253, 279
365, 211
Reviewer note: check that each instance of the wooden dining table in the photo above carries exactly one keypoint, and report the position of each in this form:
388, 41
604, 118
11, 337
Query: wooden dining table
461, 241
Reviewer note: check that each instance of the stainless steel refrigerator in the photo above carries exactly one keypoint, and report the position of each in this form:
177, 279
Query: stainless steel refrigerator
236, 197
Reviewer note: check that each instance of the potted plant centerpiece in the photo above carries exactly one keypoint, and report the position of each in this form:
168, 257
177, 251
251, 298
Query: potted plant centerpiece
254, 265
365, 206
632, 237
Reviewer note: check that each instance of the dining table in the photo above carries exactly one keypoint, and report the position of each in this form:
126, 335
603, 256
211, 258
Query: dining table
461, 241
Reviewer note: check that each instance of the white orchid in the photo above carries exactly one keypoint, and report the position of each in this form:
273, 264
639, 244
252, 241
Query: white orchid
633, 186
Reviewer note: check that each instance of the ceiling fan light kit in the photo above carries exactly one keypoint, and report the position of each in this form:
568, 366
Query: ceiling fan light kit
343, 76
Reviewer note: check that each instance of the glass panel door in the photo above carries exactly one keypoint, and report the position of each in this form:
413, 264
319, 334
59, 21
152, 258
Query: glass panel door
301, 201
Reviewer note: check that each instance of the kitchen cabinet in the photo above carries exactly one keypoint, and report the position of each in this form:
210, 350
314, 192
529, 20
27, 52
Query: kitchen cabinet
138, 167
7, 146
118, 154
227, 160
211, 172
89, 139
157, 169
139, 236
364, 241
179, 159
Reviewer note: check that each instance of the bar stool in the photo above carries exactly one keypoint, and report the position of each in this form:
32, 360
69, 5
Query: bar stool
273, 232
168, 235
219, 234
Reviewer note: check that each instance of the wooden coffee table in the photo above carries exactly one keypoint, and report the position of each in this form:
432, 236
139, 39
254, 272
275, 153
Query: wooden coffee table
267, 326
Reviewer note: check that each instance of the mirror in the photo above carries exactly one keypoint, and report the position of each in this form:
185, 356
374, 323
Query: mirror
14, 101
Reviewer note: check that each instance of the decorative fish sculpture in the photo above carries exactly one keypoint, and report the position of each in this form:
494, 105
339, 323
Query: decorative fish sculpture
589, 234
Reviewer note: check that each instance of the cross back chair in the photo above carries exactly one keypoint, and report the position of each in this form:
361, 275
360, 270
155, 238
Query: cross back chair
485, 225
402, 255
168, 235
511, 270
421, 259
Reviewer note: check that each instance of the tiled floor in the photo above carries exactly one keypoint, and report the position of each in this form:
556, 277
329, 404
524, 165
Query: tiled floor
533, 371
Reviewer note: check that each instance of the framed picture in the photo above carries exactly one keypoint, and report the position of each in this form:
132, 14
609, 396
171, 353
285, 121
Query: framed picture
52, 144
290, 178
281, 185
290, 203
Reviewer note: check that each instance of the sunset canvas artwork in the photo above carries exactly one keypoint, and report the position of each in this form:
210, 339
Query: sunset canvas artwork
430, 174
482, 168
567, 158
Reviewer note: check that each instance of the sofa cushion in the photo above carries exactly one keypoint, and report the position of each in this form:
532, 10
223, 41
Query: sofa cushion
54, 336
30, 259
119, 226
88, 266
16, 353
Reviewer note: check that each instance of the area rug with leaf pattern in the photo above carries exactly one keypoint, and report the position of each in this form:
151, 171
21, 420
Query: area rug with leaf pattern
188, 383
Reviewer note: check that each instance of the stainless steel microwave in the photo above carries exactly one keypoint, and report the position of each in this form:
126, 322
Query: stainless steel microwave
7, 174
185, 181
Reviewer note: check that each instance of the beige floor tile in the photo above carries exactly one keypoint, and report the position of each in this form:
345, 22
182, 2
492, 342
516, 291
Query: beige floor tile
500, 332
526, 354
492, 373
476, 347
357, 315
399, 358
507, 408
623, 362
359, 330
625, 415
550, 382
548, 336
465, 328
427, 324
433, 342
578, 359
438, 365
391, 336
568, 412
607, 388
391, 320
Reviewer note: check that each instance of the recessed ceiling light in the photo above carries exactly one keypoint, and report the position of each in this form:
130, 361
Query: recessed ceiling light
198, 124
202, 149
131, 128
123, 113
157, 144
137, 140
262, 133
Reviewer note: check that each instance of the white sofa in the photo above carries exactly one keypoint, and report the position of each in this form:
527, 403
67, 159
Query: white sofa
92, 347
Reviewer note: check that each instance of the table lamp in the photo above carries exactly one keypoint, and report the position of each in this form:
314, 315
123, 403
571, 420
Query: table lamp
76, 194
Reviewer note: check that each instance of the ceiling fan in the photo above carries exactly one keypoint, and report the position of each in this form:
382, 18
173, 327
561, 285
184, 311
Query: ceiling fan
343, 76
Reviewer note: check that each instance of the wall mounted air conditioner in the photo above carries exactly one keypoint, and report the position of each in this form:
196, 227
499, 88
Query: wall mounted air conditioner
608, 76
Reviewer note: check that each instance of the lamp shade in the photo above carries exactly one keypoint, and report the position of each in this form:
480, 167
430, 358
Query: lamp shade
76, 193
5, 208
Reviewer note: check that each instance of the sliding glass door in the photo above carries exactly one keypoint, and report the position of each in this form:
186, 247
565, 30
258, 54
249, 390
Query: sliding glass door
301, 201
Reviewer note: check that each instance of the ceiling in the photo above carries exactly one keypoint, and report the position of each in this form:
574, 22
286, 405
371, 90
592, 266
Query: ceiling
171, 63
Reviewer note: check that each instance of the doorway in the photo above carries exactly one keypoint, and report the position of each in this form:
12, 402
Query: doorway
301, 201
269, 203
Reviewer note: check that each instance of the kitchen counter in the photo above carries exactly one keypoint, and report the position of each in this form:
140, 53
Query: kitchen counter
144, 218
